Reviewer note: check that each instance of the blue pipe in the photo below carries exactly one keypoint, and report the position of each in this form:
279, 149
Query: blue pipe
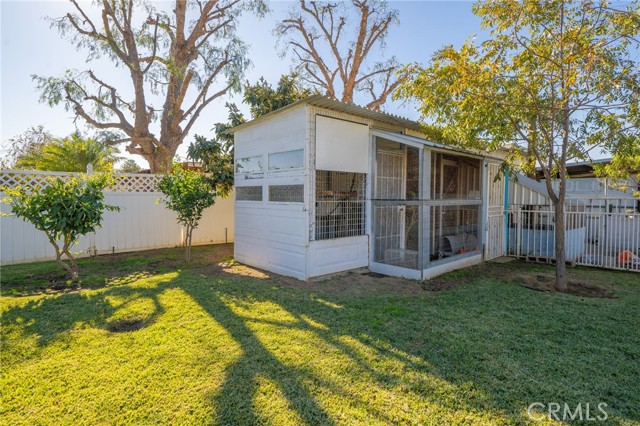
506, 211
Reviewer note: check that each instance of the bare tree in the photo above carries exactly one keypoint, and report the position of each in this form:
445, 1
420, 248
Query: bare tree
331, 43
27, 143
187, 57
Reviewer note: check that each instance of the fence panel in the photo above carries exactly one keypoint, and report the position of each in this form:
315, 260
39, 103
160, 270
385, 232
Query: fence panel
603, 233
142, 223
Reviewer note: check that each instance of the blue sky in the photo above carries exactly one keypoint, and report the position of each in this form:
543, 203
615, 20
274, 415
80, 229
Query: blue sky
28, 46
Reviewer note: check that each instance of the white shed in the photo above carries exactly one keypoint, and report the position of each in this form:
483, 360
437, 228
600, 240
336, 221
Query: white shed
324, 186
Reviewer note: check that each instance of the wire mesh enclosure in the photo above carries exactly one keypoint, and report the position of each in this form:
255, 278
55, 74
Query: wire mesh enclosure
286, 193
340, 204
249, 193
454, 230
420, 221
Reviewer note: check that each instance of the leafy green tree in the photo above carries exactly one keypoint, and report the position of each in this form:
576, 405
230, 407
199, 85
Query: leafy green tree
216, 156
71, 154
64, 210
623, 171
556, 77
188, 193
129, 166
262, 98
182, 57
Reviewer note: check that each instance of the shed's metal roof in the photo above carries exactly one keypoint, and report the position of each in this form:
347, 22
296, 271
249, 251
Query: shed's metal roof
333, 104
420, 141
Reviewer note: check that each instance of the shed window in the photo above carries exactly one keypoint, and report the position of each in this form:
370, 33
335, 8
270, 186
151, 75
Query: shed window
340, 209
249, 193
286, 193
249, 164
287, 160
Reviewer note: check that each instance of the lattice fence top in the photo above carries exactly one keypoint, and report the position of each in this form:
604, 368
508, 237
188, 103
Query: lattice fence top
125, 182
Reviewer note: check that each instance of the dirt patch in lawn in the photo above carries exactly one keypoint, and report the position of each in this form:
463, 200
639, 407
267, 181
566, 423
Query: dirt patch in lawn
125, 325
535, 277
465, 276
532, 276
363, 282
575, 287
348, 283
352, 283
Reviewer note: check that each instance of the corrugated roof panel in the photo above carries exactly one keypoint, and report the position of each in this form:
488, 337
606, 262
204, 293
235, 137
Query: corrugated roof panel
333, 104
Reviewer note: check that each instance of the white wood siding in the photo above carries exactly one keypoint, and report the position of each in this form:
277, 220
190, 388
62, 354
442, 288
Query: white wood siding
337, 255
274, 235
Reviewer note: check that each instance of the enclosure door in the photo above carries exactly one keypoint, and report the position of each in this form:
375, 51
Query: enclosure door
390, 185
495, 238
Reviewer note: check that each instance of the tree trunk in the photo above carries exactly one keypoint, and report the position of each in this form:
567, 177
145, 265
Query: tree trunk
561, 266
187, 242
160, 163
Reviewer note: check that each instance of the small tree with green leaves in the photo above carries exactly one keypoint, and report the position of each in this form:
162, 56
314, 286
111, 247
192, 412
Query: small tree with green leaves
558, 79
188, 193
64, 209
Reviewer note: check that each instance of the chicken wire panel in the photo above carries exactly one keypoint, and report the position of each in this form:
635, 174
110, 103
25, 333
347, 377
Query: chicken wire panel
286, 193
455, 177
249, 193
389, 175
397, 235
340, 204
454, 230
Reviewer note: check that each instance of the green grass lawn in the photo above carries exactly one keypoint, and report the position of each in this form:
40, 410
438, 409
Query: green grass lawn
219, 343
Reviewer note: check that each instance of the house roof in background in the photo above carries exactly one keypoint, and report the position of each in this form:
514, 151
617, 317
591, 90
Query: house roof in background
580, 169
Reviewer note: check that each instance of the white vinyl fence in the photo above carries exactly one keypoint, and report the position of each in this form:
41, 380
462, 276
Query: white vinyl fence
602, 232
142, 223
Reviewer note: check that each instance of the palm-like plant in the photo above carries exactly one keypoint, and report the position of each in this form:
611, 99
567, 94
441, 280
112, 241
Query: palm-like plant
71, 154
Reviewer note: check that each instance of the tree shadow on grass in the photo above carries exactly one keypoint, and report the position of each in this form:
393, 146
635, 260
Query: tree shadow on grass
234, 401
50, 318
506, 346
495, 348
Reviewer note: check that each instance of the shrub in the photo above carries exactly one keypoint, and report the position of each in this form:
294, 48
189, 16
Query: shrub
188, 193
64, 210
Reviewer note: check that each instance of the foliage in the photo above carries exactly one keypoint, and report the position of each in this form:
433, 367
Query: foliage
129, 166
260, 349
64, 209
188, 193
26, 144
623, 171
216, 154
262, 98
557, 78
71, 154
182, 59
332, 41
